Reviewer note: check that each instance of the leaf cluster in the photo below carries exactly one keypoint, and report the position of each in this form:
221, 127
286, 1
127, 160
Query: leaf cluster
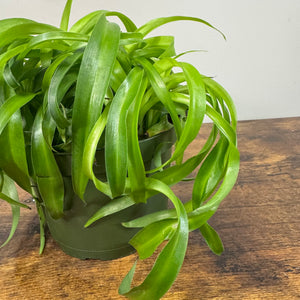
74, 90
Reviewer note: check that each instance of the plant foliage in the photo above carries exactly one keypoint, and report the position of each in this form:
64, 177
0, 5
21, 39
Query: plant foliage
75, 89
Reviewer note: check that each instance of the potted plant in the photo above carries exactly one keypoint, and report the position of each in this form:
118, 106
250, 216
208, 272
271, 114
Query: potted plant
88, 115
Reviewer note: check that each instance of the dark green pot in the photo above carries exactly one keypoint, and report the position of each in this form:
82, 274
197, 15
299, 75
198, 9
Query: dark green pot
106, 239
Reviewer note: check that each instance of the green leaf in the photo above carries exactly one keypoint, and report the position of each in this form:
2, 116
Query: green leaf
153, 24
176, 173
51, 69
48, 176
158, 46
117, 77
161, 126
6, 24
64, 23
90, 151
12, 201
221, 93
16, 216
10, 78
128, 38
197, 108
170, 259
116, 141
136, 168
187, 52
161, 225
88, 22
42, 220
229, 180
126, 282
48, 127
112, 207
9, 193
58, 79
161, 91
210, 173
54, 40
222, 124
12, 146
212, 239
6, 56
93, 79
150, 237
22, 31
10, 106
12, 152
197, 220
129, 25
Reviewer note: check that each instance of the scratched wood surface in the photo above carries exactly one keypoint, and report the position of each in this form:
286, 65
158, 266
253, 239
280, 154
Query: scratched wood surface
258, 222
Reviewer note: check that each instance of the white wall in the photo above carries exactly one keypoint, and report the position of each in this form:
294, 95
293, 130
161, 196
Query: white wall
259, 64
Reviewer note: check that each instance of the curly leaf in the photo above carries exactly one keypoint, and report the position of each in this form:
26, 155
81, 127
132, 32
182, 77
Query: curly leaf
9, 193
47, 173
212, 239
93, 80
116, 141
170, 259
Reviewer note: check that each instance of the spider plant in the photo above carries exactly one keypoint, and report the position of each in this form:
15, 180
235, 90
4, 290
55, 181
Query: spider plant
92, 85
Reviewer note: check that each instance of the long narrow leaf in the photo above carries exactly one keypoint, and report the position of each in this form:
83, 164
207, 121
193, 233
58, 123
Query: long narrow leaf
9, 107
23, 31
51, 69
86, 24
210, 173
12, 152
116, 142
212, 239
136, 168
12, 201
15, 220
227, 184
42, 220
153, 24
149, 238
49, 39
222, 124
197, 108
90, 151
111, 208
223, 94
64, 23
128, 23
6, 24
169, 261
6, 56
162, 93
57, 78
126, 282
47, 173
92, 84
9, 193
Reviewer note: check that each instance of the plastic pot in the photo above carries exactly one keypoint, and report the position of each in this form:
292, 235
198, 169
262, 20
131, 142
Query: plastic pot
106, 239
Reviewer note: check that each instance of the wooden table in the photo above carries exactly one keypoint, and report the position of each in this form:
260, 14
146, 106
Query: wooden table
258, 223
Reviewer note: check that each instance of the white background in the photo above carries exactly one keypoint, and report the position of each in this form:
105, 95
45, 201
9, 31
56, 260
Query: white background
258, 64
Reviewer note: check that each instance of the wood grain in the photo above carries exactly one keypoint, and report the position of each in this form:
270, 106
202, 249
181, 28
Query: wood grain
258, 223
